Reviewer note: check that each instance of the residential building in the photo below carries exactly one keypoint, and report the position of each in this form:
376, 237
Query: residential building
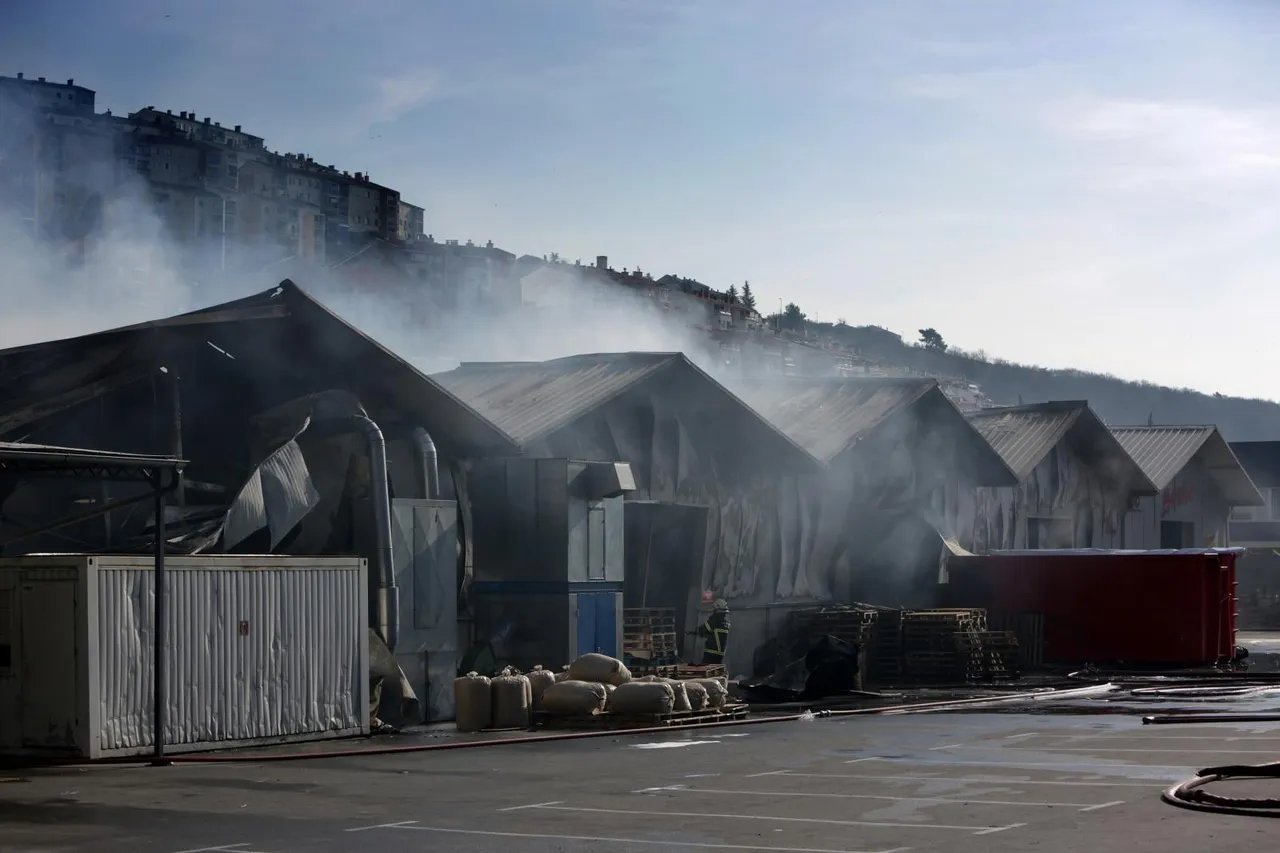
57, 158
1258, 530
1201, 483
281, 213
410, 223
1076, 483
464, 275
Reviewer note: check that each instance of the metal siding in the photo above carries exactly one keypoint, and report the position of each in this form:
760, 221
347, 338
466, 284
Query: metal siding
300, 671
428, 581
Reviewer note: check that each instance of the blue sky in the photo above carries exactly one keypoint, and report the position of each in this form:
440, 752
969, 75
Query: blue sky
1078, 183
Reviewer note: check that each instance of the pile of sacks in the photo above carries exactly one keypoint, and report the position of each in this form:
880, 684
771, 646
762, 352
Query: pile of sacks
595, 684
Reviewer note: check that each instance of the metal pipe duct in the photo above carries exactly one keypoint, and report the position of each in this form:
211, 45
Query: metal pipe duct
429, 463
388, 601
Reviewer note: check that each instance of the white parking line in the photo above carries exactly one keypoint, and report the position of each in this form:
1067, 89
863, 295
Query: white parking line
230, 848
1073, 767
1127, 736
531, 806
396, 825
978, 780
976, 830
1108, 749
681, 789
597, 839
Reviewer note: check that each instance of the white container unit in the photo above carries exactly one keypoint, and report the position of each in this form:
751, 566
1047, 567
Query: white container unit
259, 650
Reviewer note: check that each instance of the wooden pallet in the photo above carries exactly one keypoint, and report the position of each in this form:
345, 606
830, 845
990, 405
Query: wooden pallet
702, 670
674, 719
643, 668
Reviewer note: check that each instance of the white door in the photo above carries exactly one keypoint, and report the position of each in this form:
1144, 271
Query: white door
48, 665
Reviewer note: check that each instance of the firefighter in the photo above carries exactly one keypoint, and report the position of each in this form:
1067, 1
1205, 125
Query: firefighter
716, 630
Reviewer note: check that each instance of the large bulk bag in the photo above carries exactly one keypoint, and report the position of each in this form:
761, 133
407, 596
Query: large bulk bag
599, 668
573, 698
539, 680
642, 697
680, 699
512, 700
473, 702
562, 675
697, 695
717, 692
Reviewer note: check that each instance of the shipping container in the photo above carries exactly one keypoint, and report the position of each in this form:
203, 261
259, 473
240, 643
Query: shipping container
1109, 607
258, 650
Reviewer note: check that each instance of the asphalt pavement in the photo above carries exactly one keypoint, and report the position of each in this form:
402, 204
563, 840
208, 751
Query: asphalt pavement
926, 782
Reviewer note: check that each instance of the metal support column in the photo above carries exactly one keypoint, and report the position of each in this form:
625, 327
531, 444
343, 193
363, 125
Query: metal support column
160, 621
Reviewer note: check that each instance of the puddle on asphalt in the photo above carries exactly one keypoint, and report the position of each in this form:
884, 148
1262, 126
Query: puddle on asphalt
673, 744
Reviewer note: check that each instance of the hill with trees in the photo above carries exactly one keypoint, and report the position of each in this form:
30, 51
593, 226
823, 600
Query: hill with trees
1117, 401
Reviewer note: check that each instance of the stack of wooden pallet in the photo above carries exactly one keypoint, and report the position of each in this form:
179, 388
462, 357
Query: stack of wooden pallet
693, 671
929, 648
988, 655
884, 658
649, 641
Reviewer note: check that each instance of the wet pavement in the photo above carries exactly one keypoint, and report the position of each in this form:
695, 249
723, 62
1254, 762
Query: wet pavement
924, 782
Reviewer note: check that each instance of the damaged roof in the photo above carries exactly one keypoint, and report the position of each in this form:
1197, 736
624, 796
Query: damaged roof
1164, 451
531, 400
79, 461
830, 415
1024, 435
42, 379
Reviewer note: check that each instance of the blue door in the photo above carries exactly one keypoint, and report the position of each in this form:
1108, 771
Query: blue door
586, 623
598, 623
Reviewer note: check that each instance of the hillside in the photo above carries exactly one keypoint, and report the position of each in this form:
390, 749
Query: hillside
1117, 401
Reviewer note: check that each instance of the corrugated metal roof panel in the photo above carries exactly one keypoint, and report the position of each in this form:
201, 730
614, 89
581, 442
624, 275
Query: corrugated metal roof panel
825, 416
1162, 451
1023, 435
529, 400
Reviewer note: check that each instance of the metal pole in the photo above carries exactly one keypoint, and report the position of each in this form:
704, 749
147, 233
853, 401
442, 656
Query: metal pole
160, 627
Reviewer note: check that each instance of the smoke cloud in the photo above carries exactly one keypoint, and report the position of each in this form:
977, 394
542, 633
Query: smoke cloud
87, 248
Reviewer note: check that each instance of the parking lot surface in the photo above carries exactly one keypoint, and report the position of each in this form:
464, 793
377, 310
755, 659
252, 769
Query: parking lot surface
958, 783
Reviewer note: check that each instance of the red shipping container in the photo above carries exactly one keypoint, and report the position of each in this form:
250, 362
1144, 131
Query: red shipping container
1113, 607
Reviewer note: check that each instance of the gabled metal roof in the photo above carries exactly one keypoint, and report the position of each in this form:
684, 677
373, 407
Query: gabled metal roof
826, 416
41, 379
1261, 461
829, 416
531, 400
1024, 435
1164, 451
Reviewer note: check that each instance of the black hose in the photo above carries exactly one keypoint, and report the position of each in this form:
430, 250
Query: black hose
1190, 794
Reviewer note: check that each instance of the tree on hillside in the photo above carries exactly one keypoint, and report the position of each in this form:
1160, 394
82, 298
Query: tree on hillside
748, 298
932, 340
732, 293
792, 317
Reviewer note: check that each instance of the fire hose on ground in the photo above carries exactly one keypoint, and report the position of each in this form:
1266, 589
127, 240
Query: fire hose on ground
1191, 793
916, 708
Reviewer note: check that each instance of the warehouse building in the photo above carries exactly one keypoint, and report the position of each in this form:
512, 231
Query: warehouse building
1201, 483
1075, 483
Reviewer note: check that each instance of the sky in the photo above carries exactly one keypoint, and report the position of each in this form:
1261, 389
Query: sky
1070, 183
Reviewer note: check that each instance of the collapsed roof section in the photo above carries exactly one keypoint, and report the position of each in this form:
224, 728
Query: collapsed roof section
829, 417
276, 333
1024, 436
1163, 452
532, 401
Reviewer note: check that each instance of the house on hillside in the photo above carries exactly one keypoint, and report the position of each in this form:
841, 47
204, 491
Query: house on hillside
1257, 528
902, 465
1076, 484
1201, 483
717, 508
